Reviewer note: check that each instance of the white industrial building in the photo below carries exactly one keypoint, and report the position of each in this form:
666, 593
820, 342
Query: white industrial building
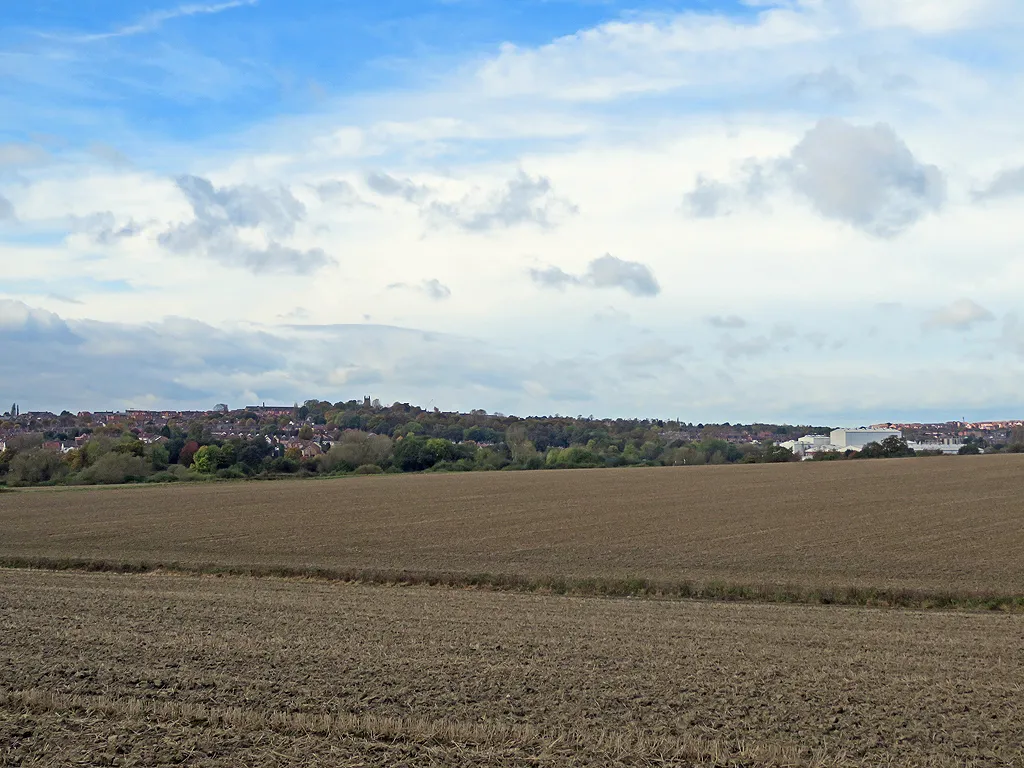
842, 440
845, 439
949, 446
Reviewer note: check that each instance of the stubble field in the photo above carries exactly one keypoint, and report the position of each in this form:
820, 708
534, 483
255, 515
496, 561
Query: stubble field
162, 669
953, 525
178, 668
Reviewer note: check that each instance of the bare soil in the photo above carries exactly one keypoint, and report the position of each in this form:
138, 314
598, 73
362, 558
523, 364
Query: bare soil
952, 524
159, 669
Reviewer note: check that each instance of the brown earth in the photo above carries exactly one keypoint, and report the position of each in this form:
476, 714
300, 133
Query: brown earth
159, 669
940, 524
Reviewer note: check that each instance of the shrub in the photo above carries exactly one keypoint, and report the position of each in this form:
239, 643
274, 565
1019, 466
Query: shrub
36, 466
368, 469
114, 469
173, 473
355, 449
826, 456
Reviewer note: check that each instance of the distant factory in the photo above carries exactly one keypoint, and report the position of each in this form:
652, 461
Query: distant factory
842, 440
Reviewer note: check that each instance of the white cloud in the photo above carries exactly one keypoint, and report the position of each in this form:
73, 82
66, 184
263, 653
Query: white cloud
221, 218
961, 315
865, 176
432, 288
15, 153
1008, 183
619, 58
153, 21
607, 271
522, 200
6, 208
929, 16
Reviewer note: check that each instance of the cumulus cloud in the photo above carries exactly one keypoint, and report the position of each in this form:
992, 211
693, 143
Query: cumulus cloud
865, 176
432, 288
6, 209
243, 205
104, 228
337, 191
707, 199
553, 277
1008, 183
21, 322
14, 153
727, 322
862, 175
607, 271
219, 214
388, 186
961, 315
829, 83
523, 200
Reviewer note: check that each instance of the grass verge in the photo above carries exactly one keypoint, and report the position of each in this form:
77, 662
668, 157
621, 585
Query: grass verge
719, 591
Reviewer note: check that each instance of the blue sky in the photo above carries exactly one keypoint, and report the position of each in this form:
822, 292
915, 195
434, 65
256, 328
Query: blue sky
791, 210
210, 68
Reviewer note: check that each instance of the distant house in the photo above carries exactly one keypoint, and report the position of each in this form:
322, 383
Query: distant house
307, 448
272, 410
58, 447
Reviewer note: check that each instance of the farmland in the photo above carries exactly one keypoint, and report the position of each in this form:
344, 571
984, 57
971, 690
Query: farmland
161, 669
942, 525
174, 665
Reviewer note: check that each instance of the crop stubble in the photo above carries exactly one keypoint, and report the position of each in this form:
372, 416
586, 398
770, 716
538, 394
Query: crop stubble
940, 525
160, 669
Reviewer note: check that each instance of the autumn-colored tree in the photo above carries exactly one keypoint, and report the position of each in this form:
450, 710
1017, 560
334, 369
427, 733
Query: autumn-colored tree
188, 452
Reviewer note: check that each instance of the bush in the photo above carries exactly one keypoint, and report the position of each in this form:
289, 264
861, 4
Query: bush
355, 449
826, 456
173, 473
231, 473
114, 469
369, 469
36, 466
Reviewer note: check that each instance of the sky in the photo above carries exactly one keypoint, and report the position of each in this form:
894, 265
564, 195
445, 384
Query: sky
802, 211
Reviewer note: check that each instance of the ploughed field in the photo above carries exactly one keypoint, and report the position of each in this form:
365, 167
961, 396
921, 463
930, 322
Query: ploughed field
168, 669
941, 525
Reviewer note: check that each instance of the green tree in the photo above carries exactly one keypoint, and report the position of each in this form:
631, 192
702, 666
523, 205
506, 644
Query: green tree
115, 468
6, 456
519, 445
895, 447
872, 450
206, 459
36, 465
159, 456
354, 449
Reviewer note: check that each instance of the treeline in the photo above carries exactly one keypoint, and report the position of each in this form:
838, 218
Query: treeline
364, 441
319, 438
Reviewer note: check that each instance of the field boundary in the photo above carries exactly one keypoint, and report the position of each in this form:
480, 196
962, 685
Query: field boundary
637, 588
535, 745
